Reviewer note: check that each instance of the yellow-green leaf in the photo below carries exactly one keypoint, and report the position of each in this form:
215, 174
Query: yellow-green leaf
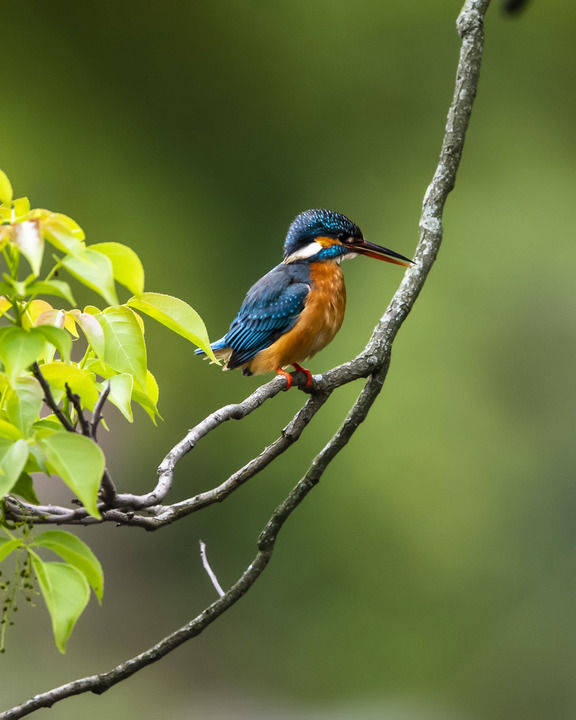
128, 270
124, 347
19, 349
175, 314
147, 396
23, 402
7, 546
57, 337
52, 287
79, 462
6, 192
9, 431
5, 305
75, 552
93, 270
82, 382
91, 329
66, 593
121, 393
13, 456
21, 208
25, 487
61, 231
28, 239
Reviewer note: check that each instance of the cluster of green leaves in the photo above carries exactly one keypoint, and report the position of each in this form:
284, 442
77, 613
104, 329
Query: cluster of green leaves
65, 586
77, 351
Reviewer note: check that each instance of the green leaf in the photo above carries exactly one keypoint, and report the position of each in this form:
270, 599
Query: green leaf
147, 396
7, 430
13, 456
128, 270
176, 315
99, 367
6, 289
58, 288
23, 403
80, 464
62, 235
75, 552
25, 488
6, 192
82, 382
28, 239
7, 546
66, 594
124, 349
50, 422
36, 460
57, 337
91, 329
93, 270
21, 208
121, 393
19, 349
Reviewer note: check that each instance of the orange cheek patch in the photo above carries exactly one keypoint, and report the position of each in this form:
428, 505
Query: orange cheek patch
327, 242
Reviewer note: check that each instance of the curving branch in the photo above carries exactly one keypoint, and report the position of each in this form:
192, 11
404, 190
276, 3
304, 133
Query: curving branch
372, 363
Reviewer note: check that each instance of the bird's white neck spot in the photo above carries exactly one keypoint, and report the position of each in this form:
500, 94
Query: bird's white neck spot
304, 252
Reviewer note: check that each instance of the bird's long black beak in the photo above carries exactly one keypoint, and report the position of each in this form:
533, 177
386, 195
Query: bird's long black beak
363, 247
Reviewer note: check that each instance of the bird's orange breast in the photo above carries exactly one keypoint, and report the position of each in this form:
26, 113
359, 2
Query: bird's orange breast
317, 325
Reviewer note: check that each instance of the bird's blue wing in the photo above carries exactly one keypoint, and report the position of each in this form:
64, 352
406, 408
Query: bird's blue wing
272, 306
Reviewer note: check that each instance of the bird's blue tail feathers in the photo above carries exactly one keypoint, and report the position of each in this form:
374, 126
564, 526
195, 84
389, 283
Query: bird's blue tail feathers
216, 345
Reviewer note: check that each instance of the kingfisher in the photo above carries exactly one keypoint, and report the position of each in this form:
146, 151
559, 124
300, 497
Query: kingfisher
297, 308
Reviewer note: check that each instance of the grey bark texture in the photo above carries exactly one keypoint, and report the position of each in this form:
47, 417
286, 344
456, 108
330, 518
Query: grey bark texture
372, 364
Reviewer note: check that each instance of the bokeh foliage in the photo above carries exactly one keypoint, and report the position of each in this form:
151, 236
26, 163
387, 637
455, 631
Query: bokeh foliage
434, 567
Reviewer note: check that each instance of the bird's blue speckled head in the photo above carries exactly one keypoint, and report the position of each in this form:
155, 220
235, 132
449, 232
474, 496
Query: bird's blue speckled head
312, 224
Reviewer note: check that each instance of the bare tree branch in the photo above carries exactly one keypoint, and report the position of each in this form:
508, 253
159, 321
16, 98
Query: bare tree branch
98, 684
49, 398
75, 400
125, 503
372, 363
97, 416
211, 574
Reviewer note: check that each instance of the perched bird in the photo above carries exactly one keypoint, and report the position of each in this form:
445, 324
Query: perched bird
297, 308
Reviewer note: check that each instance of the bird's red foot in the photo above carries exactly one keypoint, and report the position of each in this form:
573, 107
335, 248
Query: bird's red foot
308, 374
288, 377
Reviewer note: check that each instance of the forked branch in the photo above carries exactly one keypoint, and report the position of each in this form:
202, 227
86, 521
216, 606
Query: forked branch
372, 363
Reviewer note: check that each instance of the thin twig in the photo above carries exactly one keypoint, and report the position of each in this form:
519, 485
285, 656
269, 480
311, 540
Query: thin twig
97, 416
75, 400
49, 398
376, 354
211, 574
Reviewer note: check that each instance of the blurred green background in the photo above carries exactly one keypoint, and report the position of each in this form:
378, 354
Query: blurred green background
433, 572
